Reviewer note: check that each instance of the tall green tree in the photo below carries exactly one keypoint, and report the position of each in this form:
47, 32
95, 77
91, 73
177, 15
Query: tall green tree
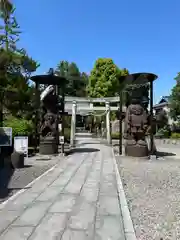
104, 78
15, 67
18, 84
6, 8
82, 90
175, 99
76, 81
74, 77
63, 71
10, 31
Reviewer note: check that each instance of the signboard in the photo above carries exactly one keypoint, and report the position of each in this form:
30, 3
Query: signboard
5, 136
61, 139
21, 144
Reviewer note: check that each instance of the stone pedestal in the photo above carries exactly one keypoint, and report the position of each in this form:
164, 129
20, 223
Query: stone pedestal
136, 149
48, 146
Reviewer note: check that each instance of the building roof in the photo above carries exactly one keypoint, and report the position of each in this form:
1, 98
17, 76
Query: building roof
163, 102
164, 99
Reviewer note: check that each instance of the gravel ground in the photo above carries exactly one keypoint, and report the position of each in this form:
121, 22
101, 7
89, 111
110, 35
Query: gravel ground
152, 190
13, 181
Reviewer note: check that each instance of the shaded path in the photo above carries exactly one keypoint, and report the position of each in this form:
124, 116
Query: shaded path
78, 199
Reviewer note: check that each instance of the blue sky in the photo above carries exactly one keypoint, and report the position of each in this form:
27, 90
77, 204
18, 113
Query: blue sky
139, 35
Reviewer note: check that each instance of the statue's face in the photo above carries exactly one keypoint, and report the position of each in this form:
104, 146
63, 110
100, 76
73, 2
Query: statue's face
49, 118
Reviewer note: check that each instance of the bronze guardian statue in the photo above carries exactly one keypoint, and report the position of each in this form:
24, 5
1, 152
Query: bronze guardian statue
136, 124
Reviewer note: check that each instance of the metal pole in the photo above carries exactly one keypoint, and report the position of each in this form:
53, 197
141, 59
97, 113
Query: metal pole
120, 122
63, 106
37, 116
1, 118
1, 105
57, 127
151, 119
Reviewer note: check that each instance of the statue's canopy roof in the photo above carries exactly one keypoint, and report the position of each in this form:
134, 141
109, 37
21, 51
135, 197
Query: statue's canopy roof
138, 78
49, 79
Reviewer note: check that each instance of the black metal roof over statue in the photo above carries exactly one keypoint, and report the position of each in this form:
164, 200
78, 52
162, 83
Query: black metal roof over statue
49, 79
138, 78
136, 87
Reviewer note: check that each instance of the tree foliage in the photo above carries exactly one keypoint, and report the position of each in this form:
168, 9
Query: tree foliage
104, 78
5, 8
76, 81
141, 92
162, 119
15, 68
175, 99
10, 31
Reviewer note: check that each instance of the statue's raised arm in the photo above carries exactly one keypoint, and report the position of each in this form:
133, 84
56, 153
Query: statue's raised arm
46, 92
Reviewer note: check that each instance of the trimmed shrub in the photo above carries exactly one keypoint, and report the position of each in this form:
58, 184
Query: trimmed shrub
20, 127
162, 133
175, 135
67, 133
115, 135
67, 121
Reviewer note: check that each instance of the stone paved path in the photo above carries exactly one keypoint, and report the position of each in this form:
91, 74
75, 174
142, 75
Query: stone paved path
76, 200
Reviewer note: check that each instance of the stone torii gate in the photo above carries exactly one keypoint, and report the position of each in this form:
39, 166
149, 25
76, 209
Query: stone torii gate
77, 105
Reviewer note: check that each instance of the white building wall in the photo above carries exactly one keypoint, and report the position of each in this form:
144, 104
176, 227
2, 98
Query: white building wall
167, 110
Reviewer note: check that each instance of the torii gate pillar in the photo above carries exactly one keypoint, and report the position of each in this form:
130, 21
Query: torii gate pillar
108, 129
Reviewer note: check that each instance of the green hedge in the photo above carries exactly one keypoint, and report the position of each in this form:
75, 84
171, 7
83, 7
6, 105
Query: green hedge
115, 135
67, 133
20, 127
175, 135
162, 133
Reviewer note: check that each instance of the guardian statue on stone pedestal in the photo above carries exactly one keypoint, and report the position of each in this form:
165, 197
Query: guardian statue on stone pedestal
135, 127
49, 121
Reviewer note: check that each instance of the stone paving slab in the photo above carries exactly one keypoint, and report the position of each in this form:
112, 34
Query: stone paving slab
78, 199
11, 181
